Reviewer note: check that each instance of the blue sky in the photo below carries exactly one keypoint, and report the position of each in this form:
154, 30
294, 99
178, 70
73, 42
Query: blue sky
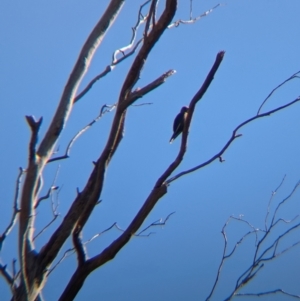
39, 44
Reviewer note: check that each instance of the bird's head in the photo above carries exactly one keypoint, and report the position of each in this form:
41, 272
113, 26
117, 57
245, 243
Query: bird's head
184, 109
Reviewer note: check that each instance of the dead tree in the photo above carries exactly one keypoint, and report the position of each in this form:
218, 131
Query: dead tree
35, 265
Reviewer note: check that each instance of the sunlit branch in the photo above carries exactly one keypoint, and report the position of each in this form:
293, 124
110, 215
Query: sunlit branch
232, 138
141, 20
193, 20
115, 61
295, 75
104, 109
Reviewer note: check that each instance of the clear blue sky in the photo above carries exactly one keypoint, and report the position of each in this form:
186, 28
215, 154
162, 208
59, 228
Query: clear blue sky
39, 44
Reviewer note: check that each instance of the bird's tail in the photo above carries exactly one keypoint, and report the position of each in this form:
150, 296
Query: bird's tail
172, 139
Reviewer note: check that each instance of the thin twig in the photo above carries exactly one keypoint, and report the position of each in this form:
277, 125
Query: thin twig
50, 190
267, 293
66, 254
16, 209
283, 201
295, 75
55, 214
270, 201
72, 250
46, 196
193, 20
224, 256
260, 254
104, 109
160, 222
100, 233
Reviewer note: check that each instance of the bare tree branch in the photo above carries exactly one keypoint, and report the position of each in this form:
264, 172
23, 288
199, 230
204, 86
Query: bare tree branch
79, 246
268, 293
160, 187
140, 92
270, 201
140, 20
80, 68
86, 200
72, 250
115, 137
160, 222
54, 208
34, 127
261, 253
104, 109
7, 276
193, 20
295, 75
196, 98
151, 14
66, 254
232, 138
224, 256
16, 209
46, 196
46, 227
115, 61
282, 202
132, 46
39, 158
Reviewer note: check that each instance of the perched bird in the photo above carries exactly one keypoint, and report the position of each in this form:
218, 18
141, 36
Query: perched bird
178, 124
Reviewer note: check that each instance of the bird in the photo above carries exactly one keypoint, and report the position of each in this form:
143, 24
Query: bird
178, 124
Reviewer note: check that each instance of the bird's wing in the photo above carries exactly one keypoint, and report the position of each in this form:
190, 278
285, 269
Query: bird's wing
177, 122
